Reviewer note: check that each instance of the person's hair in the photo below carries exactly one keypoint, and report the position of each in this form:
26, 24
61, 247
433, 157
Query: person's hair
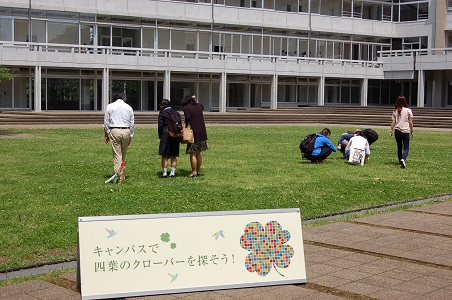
325, 131
165, 103
400, 103
188, 100
118, 95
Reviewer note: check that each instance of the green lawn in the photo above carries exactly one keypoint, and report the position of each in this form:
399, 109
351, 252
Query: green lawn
52, 177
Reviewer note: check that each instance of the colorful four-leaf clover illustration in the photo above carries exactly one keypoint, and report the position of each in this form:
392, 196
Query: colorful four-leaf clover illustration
267, 247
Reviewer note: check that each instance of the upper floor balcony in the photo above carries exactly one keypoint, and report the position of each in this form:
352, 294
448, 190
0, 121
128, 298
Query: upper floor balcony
371, 18
146, 59
404, 64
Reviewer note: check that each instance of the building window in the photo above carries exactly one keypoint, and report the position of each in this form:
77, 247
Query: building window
38, 31
386, 14
62, 33
357, 9
449, 39
371, 11
423, 11
303, 6
63, 94
408, 12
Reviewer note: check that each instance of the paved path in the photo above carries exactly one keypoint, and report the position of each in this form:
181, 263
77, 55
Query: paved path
392, 255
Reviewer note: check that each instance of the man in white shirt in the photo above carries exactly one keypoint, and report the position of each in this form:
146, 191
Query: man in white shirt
119, 128
357, 150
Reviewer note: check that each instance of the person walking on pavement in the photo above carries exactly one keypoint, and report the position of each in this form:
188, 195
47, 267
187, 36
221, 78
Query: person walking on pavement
119, 129
402, 126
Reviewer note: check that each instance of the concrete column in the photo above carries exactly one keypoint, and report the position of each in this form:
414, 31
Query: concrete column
421, 88
364, 91
321, 92
438, 95
274, 92
223, 85
105, 88
167, 85
440, 24
156, 100
38, 91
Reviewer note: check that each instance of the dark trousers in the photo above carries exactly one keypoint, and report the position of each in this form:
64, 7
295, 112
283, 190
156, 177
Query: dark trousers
324, 153
403, 144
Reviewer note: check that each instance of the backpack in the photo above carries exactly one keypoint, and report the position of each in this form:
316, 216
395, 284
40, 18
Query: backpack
307, 144
175, 127
371, 135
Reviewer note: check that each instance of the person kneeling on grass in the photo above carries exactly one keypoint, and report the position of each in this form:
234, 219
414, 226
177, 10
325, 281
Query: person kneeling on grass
357, 150
322, 147
343, 142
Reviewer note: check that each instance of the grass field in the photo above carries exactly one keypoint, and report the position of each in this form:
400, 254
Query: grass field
51, 177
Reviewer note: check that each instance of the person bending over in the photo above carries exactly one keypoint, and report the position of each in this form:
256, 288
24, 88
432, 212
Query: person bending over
357, 150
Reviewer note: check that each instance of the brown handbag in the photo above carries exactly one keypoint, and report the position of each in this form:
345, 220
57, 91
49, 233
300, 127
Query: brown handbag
188, 135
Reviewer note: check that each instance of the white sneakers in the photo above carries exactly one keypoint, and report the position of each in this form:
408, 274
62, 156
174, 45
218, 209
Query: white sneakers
402, 163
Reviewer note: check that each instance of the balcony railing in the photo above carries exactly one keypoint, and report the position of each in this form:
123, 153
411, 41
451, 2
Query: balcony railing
415, 52
149, 52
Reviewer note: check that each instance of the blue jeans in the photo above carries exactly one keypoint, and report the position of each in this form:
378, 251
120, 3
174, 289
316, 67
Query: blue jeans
344, 137
403, 144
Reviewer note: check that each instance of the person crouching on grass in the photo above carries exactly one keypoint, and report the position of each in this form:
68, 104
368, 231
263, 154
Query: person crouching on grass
322, 147
357, 150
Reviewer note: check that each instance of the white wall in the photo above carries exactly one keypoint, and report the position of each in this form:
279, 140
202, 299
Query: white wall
413, 29
202, 12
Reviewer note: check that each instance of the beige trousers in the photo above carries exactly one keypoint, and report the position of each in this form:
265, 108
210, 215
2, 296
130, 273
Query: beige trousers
120, 140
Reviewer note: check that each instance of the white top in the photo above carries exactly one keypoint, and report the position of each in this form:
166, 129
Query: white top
402, 122
119, 114
359, 142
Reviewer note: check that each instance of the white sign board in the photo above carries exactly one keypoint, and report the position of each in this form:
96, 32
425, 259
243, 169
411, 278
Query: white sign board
124, 256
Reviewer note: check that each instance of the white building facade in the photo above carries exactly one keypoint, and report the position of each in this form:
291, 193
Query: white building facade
233, 54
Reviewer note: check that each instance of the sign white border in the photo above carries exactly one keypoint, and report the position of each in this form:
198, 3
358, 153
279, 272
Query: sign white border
128, 239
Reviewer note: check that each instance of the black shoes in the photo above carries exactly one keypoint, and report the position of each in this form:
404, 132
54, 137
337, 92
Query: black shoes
166, 176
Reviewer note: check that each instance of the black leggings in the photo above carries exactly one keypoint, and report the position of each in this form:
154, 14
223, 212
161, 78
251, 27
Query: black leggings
324, 153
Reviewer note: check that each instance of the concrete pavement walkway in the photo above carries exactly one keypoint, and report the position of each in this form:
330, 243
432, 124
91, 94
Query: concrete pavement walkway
393, 255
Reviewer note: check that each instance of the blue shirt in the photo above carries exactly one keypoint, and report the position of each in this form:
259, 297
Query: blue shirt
322, 141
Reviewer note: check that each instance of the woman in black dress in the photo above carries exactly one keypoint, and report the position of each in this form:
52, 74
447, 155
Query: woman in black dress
169, 146
193, 112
